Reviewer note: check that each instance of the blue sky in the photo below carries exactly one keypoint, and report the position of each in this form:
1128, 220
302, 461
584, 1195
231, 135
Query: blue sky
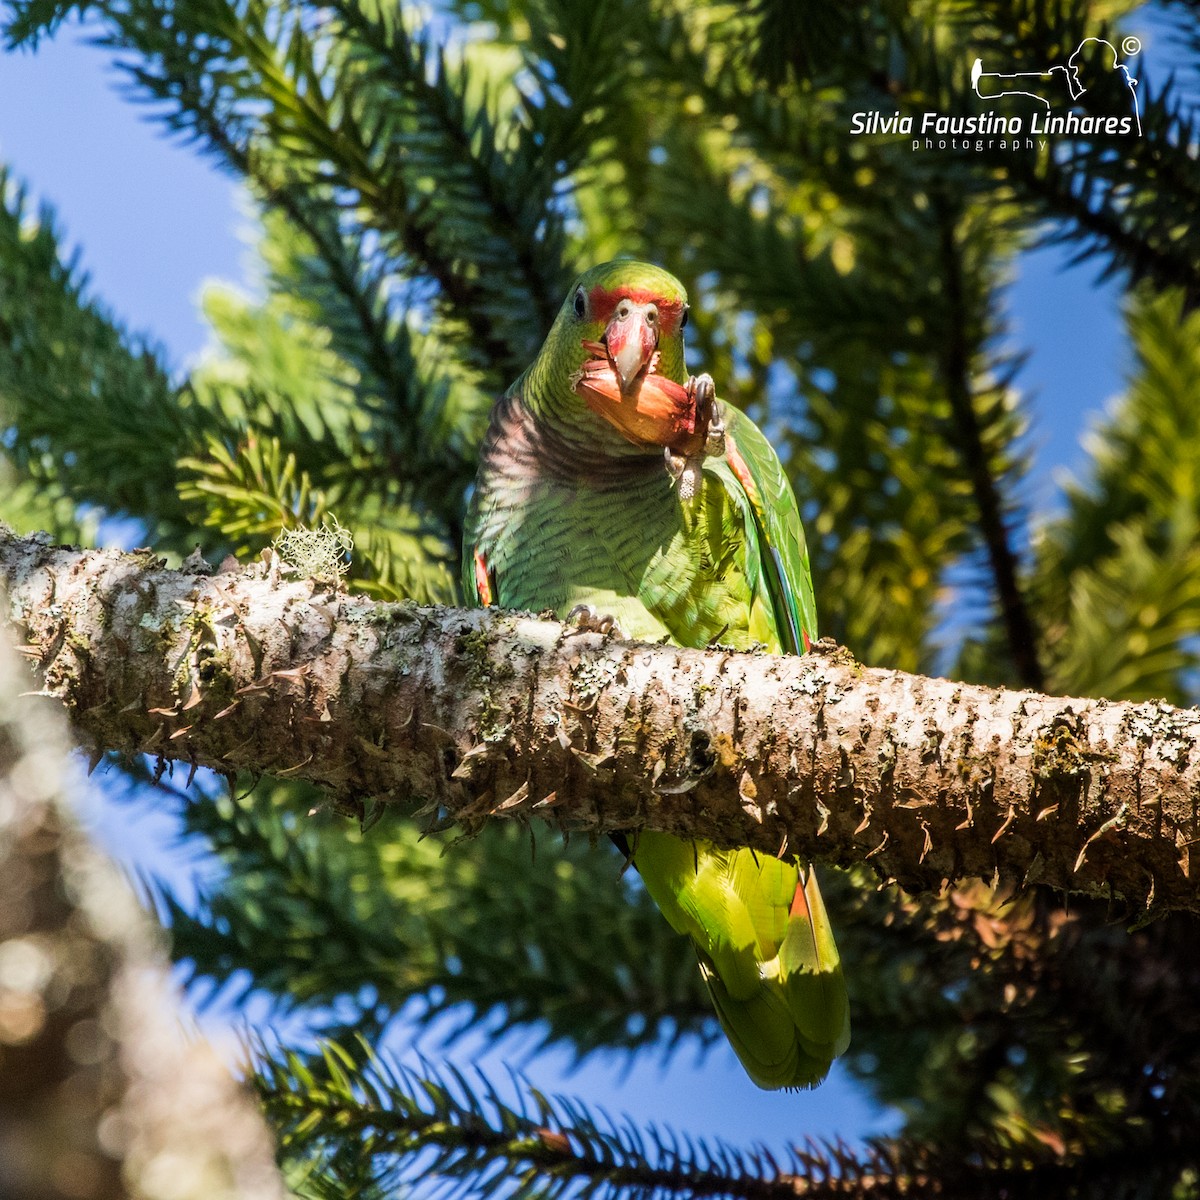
154, 221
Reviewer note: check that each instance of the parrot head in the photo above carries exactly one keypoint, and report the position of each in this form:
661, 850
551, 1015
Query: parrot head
619, 335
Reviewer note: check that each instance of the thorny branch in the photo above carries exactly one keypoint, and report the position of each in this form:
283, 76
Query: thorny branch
468, 715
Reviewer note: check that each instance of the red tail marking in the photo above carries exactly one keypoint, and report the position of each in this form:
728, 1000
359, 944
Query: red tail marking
483, 581
806, 639
800, 903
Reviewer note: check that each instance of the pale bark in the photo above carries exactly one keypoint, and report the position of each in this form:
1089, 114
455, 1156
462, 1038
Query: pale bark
468, 715
104, 1096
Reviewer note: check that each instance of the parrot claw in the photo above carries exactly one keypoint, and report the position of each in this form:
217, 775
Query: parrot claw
588, 620
714, 442
703, 392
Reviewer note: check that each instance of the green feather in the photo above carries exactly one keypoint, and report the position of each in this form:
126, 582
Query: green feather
812, 975
554, 530
772, 504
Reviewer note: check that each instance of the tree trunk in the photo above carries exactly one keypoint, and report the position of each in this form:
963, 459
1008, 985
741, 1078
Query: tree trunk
104, 1095
465, 715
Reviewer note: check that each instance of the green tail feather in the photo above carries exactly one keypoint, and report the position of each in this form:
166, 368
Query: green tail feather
766, 952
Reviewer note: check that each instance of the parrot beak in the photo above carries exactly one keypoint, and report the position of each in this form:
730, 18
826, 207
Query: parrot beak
631, 339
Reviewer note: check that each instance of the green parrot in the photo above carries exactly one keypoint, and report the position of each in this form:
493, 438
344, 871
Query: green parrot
614, 486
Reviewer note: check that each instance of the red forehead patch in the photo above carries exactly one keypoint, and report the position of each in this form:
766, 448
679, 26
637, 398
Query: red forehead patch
602, 302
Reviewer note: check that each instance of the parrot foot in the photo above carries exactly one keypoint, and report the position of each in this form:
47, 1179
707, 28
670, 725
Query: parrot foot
686, 470
588, 620
714, 443
703, 392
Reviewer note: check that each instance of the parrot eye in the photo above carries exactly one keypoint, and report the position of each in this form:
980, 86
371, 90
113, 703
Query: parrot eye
580, 303
683, 320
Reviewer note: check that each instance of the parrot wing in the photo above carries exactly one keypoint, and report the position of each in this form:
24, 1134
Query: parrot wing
774, 524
